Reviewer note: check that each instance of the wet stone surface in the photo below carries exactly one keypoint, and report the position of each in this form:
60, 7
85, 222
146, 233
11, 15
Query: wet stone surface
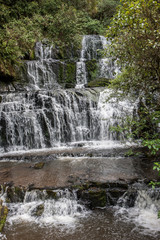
61, 171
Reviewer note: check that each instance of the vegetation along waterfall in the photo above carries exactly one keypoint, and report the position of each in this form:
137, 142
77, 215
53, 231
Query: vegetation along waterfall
65, 172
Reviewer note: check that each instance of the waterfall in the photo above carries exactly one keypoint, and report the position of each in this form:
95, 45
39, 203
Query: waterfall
45, 119
112, 112
46, 115
45, 211
108, 67
92, 47
41, 73
144, 213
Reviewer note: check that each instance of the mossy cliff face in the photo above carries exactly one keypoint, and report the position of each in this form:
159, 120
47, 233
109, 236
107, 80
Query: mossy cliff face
3, 215
67, 74
93, 73
92, 69
49, 74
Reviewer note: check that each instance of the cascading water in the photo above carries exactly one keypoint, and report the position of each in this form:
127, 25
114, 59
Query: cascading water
40, 73
45, 118
144, 213
111, 111
35, 120
92, 46
38, 208
108, 67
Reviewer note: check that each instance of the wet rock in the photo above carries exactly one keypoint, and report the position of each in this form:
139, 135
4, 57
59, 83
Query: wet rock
116, 193
93, 197
3, 215
128, 199
51, 194
39, 165
38, 211
15, 194
109, 184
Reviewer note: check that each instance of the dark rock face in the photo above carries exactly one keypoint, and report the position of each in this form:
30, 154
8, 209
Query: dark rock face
93, 197
51, 194
52, 68
15, 194
102, 194
128, 199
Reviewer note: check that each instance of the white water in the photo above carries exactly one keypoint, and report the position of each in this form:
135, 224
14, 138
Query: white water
112, 113
92, 45
81, 75
145, 212
64, 211
40, 72
39, 120
108, 67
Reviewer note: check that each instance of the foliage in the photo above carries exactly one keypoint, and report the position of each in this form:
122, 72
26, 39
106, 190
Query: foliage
135, 38
106, 10
135, 43
23, 22
153, 146
153, 183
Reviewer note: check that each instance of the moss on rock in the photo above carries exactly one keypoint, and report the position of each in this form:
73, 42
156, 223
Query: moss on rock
15, 194
97, 198
70, 75
3, 215
92, 69
51, 194
66, 74
93, 197
39, 165
98, 82
38, 211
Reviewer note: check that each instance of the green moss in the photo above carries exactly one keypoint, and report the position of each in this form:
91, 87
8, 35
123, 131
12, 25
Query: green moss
17, 190
39, 165
97, 197
99, 82
129, 153
92, 69
61, 74
51, 194
15, 194
3, 216
32, 54
70, 75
